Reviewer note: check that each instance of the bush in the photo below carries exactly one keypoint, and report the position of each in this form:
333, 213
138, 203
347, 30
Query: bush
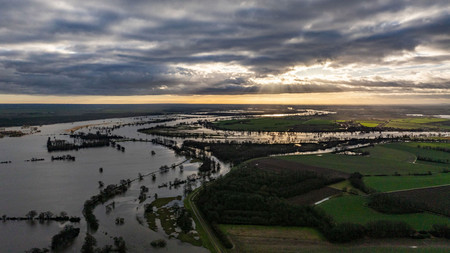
160, 243
65, 237
389, 204
345, 232
184, 221
89, 244
389, 229
357, 182
441, 231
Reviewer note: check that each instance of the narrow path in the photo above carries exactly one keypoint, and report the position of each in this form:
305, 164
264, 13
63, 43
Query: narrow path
212, 238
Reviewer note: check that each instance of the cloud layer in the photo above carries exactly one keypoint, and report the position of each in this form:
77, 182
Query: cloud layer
120, 47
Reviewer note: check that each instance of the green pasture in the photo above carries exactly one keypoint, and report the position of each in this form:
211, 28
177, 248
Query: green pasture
395, 183
382, 160
370, 123
354, 209
412, 148
418, 123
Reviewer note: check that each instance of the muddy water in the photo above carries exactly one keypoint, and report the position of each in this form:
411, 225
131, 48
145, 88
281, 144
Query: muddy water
64, 186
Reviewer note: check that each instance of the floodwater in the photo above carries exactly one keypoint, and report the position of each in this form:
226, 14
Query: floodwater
65, 186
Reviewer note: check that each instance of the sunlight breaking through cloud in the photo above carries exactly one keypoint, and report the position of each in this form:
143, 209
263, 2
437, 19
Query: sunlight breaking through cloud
118, 48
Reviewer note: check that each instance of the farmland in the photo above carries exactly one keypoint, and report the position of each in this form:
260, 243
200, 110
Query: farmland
354, 209
265, 239
370, 123
395, 183
385, 159
424, 150
331, 123
434, 199
419, 123
249, 184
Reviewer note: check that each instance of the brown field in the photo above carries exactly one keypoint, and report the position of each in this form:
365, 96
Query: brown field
313, 196
268, 239
279, 165
433, 199
272, 239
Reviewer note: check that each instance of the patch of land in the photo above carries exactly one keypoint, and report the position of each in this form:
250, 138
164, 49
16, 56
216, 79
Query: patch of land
388, 159
431, 150
251, 238
167, 217
281, 165
262, 239
313, 196
330, 123
396, 183
419, 123
434, 199
346, 186
73, 129
354, 209
261, 193
181, 131
370, 123
280, 124
42, 114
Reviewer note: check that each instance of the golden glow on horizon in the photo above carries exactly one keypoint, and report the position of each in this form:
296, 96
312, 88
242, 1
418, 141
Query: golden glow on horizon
302, 98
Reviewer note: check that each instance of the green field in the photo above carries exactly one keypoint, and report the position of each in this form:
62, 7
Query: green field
317, 124
394, 183
412, 147
277, 124
383, 159
354, 209
370, 123
419, 123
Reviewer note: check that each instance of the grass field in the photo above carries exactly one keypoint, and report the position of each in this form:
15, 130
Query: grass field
370, 123
321, 124
393, 183
419, 123
345, 185
383, 159
158, 203
354, 209
412, 147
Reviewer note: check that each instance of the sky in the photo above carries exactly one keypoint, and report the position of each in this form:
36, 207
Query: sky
284, 51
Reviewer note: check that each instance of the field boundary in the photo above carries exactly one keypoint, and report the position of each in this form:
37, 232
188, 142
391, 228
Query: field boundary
418, 188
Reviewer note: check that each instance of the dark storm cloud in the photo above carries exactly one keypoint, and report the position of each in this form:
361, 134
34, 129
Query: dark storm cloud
173, 47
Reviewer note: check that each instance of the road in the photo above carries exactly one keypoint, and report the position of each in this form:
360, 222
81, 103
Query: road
212, 238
